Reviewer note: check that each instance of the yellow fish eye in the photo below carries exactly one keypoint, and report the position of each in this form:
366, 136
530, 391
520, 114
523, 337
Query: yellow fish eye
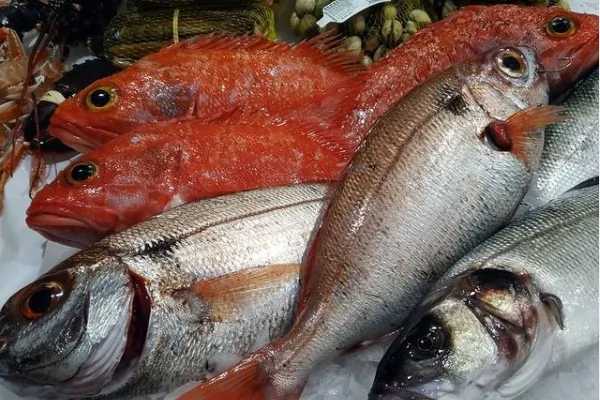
560, 27
81, 172
511, 63
100, 98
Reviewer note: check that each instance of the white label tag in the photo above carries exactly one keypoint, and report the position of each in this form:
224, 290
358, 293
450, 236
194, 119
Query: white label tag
340, 10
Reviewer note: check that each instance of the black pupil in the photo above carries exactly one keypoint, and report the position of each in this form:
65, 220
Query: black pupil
100, 98
561, 25
512, 63
82, 172
40, 301
425, 344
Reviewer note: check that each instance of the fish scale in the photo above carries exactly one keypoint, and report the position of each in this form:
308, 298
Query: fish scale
204, 283
415, 198
557, 246
222, 233
493, 320
571, 147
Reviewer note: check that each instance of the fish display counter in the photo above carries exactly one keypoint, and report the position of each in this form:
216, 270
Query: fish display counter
25, 254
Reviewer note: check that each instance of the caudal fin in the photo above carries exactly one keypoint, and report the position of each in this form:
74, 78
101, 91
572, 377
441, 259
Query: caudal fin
248, 380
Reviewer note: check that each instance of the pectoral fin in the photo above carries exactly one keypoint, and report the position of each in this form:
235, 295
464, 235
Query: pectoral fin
226, 295
554, 304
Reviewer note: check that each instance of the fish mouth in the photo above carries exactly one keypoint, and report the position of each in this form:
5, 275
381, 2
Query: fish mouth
575, 65
58, 225
82, 139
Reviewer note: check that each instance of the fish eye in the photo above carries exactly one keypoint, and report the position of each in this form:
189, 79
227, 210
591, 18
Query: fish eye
41, 300
100, 98
426, 343
81, 172
560, 27
511, 63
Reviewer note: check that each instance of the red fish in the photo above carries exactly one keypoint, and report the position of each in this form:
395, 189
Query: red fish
566, 41
431, 181
203, 77
148, 170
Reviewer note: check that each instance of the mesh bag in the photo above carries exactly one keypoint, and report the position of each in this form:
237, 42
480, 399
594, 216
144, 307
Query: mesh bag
377, 29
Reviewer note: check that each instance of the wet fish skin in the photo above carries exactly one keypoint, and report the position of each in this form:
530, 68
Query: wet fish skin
424, 55
422, 190
206, 77
570, 147
181, 267
552, 250
444, 43
159, 166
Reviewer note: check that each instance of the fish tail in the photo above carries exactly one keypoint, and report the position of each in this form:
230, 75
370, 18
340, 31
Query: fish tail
248, 380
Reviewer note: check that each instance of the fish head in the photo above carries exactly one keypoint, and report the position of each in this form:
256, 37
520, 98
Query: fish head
117, 104
506, 83
107, 190
566, 41
69, 333
506, 73
485, 330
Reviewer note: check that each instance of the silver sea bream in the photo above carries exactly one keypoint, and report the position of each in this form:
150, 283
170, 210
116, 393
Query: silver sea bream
437, 175
521, 305
165, 302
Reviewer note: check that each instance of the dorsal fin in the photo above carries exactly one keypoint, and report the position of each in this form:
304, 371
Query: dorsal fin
227, 41
322, 49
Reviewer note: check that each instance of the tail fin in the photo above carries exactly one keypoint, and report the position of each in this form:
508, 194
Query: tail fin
248, 380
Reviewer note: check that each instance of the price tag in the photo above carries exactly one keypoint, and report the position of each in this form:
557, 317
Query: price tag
339, 11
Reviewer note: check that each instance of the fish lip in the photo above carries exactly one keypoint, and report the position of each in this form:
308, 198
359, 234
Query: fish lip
584, 58
80, 139
75, 231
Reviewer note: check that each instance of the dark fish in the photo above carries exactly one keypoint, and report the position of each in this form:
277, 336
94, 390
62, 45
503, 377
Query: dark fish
519, 306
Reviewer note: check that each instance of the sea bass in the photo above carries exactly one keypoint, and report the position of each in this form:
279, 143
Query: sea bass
204, 77
442, 170
571, 147
164, 302
159, 166
567, 42
519, 306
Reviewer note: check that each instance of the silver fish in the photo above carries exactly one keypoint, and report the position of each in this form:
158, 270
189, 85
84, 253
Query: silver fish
517, 307
156, 306
424, 188
570, 153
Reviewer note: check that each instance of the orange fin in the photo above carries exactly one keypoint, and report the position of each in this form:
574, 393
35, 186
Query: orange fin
228, 41
248, 380
513, 134
226, 295
245, 381
325, 48
321, 49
